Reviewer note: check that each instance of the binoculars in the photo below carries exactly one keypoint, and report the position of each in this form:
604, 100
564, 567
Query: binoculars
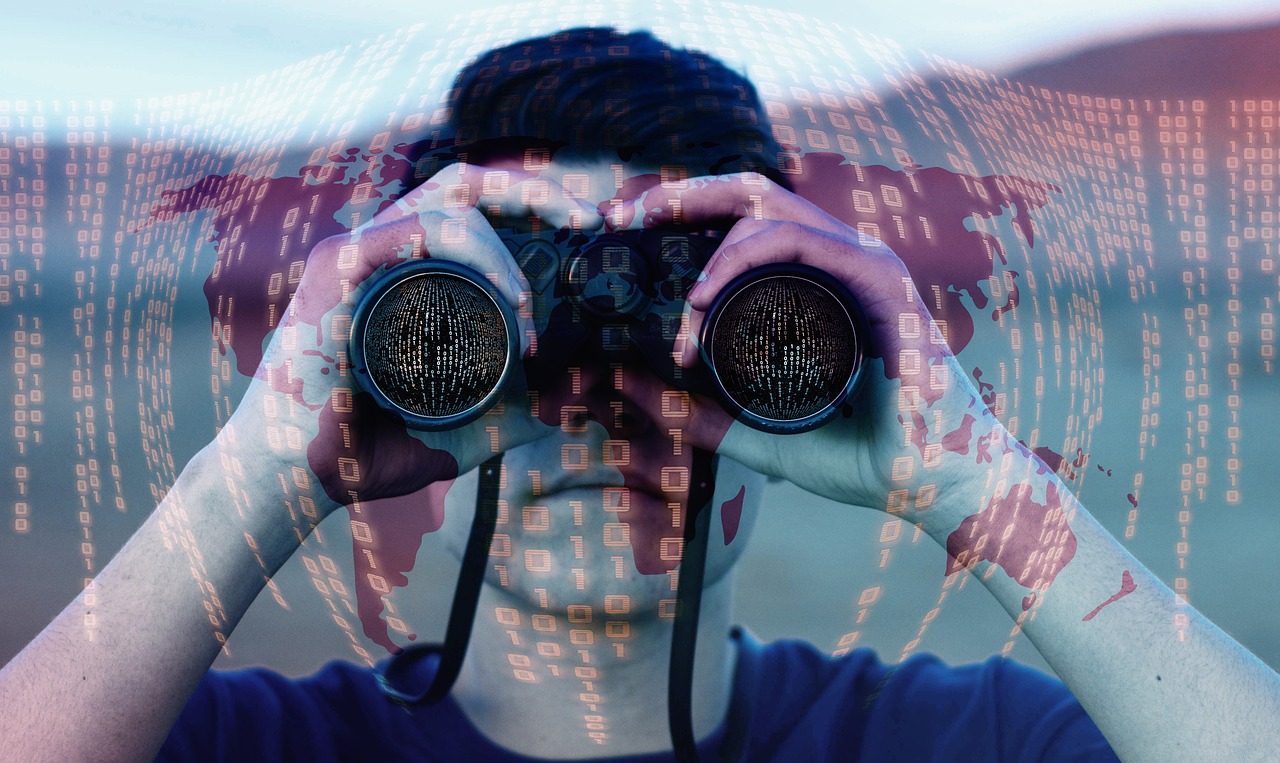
433, 341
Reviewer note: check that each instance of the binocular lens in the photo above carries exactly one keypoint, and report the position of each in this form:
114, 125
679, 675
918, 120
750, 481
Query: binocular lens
783, 344
432, 340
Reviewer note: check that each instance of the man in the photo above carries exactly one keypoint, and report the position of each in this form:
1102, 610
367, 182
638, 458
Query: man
569, 655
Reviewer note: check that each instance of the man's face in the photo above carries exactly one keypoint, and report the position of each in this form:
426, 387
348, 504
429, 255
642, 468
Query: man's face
595, 514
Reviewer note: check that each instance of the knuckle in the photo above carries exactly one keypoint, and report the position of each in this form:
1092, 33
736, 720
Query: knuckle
449, 174
470, 216
497, 182
726, 252
750, 226
328, 247
891, 263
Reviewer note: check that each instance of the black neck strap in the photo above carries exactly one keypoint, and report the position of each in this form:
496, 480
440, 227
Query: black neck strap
462, 615
684, 639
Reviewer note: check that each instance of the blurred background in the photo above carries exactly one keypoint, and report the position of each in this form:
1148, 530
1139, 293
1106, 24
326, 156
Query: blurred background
1137, 355
72, 49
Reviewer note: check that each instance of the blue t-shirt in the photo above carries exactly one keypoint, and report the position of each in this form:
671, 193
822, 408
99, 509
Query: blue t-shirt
790, 703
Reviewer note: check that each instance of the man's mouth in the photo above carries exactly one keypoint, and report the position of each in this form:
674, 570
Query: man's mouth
617, 489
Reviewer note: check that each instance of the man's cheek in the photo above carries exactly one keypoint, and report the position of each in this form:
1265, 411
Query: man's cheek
654, 530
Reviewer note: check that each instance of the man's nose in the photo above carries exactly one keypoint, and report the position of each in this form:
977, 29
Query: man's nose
604, 394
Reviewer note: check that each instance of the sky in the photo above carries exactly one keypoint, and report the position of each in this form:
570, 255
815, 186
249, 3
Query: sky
76, 49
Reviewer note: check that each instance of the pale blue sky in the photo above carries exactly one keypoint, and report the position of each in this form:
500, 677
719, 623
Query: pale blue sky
77, 49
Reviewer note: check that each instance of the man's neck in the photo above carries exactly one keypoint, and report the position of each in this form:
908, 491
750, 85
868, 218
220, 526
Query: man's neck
559, 689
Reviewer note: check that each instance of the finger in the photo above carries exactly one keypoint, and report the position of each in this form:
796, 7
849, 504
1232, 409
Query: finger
462, 235
866, 265
743, 229
338, 268
716, 200
873, 274
509, 193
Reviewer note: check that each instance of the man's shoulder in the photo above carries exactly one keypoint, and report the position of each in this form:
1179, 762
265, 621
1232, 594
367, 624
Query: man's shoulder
236, 714
800, 700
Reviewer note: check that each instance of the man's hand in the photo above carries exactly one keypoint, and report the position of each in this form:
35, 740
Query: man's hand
303, 409
913, 428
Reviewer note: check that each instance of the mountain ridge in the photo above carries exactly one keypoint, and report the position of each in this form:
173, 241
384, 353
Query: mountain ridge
1218, 63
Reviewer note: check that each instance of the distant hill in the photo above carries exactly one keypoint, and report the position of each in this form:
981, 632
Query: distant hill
1212, 64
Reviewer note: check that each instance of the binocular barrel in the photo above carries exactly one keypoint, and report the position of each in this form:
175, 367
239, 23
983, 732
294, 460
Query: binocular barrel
434, 342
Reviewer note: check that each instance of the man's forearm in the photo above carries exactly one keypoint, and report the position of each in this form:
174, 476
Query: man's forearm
1161, 681
107, 679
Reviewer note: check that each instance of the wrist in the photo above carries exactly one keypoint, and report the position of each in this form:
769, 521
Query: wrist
964, 481
1012, 511
255, 492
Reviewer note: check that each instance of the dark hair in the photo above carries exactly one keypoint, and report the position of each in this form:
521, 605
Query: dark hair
600, 91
